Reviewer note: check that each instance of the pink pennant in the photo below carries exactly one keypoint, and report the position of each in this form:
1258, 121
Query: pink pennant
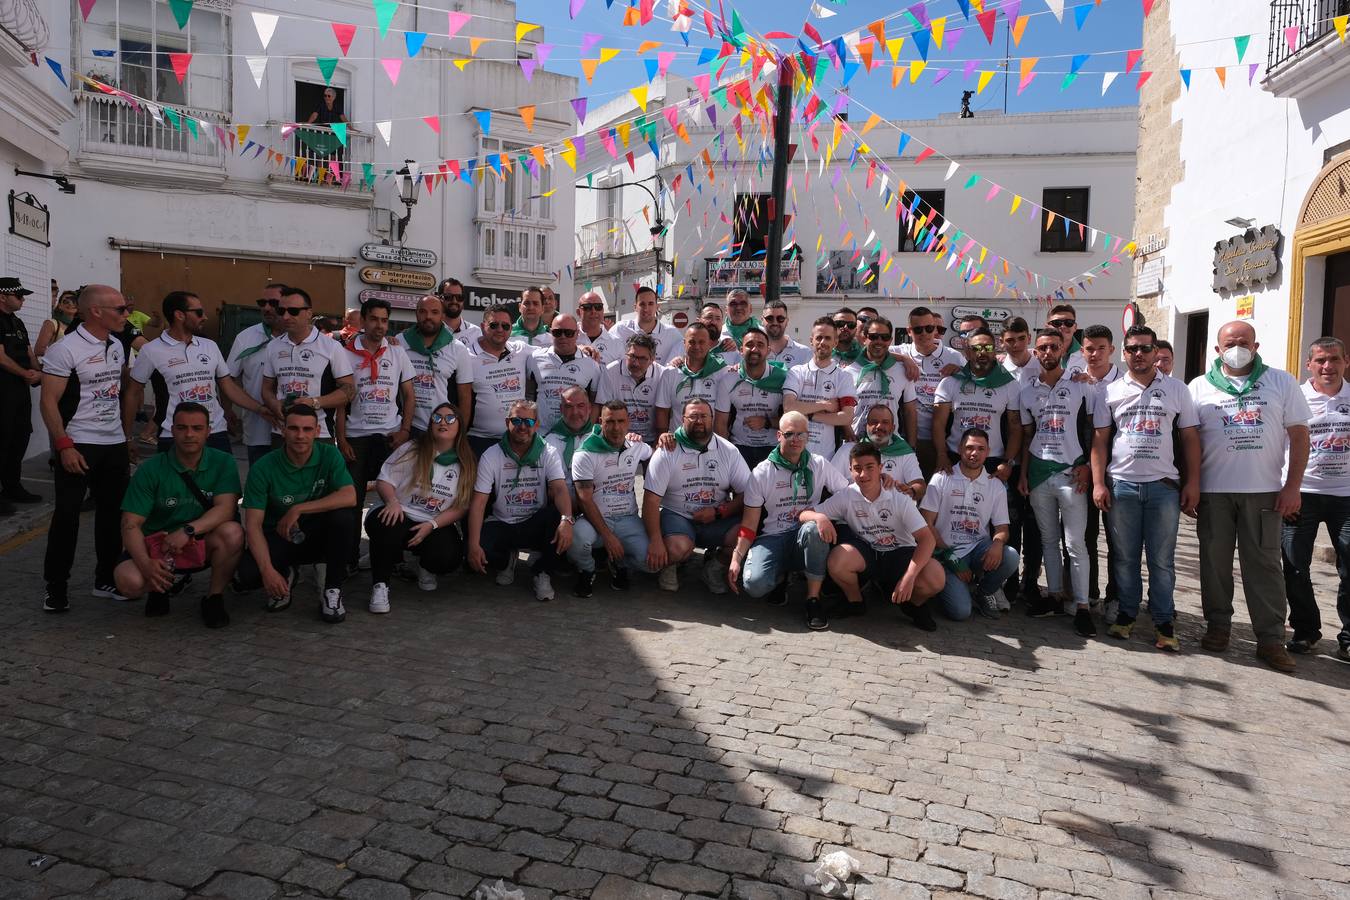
970, 68
607, 141
1291, 38
663, 62
671, 114
392, 68
457, 21
589, 40
180, 62
1132, 58
702, 82
1143, 77
1148, 8
527, 66
433, 122
86, 7
541, 53
574, 7
344, 34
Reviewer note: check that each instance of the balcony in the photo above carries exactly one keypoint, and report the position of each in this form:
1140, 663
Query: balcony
603, 239
513, 252
118, 139
1316, 58
321, 166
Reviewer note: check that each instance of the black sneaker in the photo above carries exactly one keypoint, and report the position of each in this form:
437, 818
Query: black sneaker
984, 604
21, 495
778, 596
619, 578
180, 584
920, 616
1303, 645
585, 584
1043, 607
56, 600
843, 609
1083, 624
213, 611
107, 590
1343, 652
815, 616
156, 604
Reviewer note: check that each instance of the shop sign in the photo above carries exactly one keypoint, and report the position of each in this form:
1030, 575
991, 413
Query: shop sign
724, 275
415, 281
996, 316
29, 219
1248, 259
396, 299
398, 256
482, 297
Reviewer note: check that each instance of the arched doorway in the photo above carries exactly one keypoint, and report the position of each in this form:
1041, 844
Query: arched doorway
1319, 267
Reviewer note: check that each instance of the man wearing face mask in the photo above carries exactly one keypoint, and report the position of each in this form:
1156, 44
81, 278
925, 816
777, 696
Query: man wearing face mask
1247, 412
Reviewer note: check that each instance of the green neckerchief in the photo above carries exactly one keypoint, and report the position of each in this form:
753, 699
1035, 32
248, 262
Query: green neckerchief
519, 330
897, 447
570, 439
849, 356
529, 460
1216, 377
1039, 470
63, 318
687, 442
771, 381
595, 443
448, 458
868, 367
801, 472
1074, 347
997, 377
413, 341
711, 365
950, 561
267, 339
738, 331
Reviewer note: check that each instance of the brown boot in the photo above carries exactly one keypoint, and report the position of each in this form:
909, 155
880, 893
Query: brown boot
1216, 637
1273, 654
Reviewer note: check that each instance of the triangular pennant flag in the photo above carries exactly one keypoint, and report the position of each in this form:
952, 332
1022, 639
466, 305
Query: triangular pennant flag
1221, 72
385, 129
878, 29
484, 117
181, 10
1107, 78
1077, 62
579, 107
1251, 72
937, 27
266, 26
522, 29
988, 22
1080, 14
985, 78
327, 64
1056, 8
921, 40
344, 34
942, 73
1186, 78
527, 67
608, 53
461, 64
915, 69
173, 118
1143, 77
474, 44
1148, 7
650, 65
904, 140
541, 53
924, 154
1069, 79
86, 7
527, 116
392, 68
1240, 43
1291, 37
574, 7
433, 122
588, 68
414, 40
1026, 65
1132, 58
56, 68
180, 63
645, 46
1339, 24
384, 14
458, 20
588, 40
893, 48
639, 94
340, 129
1019, 28
242, 132
257, 67
663, 61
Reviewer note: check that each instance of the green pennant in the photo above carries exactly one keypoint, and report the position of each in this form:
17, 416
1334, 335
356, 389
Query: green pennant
1241, 42
590, 179
384, 14
181, 10
340, 129
173, 119
327, 65
368, 174
192, 125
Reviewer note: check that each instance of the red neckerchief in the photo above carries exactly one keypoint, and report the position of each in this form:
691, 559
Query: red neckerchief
367, 358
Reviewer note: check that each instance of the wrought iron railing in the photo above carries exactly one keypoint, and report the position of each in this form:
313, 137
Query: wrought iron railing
112, 126
604, 238
1305, 21
324, 160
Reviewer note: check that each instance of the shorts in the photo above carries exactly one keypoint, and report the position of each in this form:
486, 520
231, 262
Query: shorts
707, 537
884, 568
126, 557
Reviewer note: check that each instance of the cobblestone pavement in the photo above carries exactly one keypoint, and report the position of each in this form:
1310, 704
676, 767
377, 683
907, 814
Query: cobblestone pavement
650, 746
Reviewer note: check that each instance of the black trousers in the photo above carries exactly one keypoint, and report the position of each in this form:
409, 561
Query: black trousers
1024, 536
328, 538
481, 445
1095, 522
16, 411
501, 539
441, 552
107, 480
371, 452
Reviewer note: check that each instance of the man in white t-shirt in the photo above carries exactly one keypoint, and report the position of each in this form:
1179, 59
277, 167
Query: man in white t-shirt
897, 456
1017, 357
606, 345
822, 391
634, 380
573, 426
936, 361
968, 510
497, 376
879, 377
782, 348
604, 473
1064, 319
881, 539
246, 365
1326, 499
699, 374
1141, 489
772, 541
668, 339
983, 395
552, 370
437, 358
1247, 413
751, 399
531, 509
532, 326
297, 362
692, 497
1023, 534
1099, 354
451, 292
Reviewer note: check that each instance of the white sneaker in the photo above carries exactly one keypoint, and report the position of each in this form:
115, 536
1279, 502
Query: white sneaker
427, 580
331, 609
379, 599
507, 576
714, 573
1112, 610
543, 587
1000, 600
669, 579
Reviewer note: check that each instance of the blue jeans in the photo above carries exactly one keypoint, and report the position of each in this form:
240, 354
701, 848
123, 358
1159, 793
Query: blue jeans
954, 599
774, 555
628, 529
1304, 616
1143, 520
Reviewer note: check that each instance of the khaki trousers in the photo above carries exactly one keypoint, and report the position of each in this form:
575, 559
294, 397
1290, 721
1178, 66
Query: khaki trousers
1249, 523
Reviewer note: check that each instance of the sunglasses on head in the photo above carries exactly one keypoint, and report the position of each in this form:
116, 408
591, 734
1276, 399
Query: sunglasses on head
263, 301
1140, 348
291, 310
1062, 323
521, 422
443, 419
563, 332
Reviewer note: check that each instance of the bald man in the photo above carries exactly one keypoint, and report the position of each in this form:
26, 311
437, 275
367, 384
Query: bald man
1247, 413
606, 347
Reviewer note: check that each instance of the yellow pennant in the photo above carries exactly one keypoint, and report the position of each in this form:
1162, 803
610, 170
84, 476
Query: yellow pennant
623, 129
243, 132
522, 29
939, 28
639, 94
985, 78
916, 67
461, 63
569, 155
1017, 201
607, 53
893, 48
1339, 24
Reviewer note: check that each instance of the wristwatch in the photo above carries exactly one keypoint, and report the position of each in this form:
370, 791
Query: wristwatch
568, 519
189, 530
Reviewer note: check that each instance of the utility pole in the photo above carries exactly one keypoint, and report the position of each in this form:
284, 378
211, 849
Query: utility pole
782, 134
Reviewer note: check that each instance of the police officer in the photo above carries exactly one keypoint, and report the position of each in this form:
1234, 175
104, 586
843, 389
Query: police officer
17, 379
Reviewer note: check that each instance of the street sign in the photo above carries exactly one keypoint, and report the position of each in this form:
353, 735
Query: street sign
680, 319
399, 256
397, 299
416, 281
1148, 282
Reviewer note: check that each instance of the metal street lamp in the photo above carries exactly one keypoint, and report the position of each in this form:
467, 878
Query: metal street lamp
407, 192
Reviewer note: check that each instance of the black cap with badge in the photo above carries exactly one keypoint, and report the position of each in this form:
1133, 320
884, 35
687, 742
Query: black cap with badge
13, 287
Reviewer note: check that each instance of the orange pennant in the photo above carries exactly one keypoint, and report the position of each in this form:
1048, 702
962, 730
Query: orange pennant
1222, 72
865, 53
527, 116
878, 29
1018, 29
538, 153
588, 67
872, 121
896, 74
474, 44
647, 45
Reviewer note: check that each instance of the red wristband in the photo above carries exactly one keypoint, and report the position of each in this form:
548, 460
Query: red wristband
747, 533
64, 443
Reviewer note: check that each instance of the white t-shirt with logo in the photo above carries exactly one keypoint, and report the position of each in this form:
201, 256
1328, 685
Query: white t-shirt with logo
1328, 469
96, 366
467, 333
191, 372
1054, 409
516, 499
298, 368
497, 382
432, 373
374, 407
930, 375
977, 407
613, 477
669, 341
420, 504
676, 388
552, 375
868, 388
247, 370
965, 507
771, 488
639, 397
1145, 420
687, 481
810, 383
792, 354
1242, 440
1023, 373
886, 523
609, 345
748, 401
904, 469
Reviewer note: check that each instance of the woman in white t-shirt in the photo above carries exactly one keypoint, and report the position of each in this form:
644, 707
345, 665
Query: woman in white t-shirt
425, 486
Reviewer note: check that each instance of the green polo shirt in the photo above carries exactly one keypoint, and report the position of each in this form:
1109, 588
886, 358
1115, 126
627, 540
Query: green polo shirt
159, 493
275, 485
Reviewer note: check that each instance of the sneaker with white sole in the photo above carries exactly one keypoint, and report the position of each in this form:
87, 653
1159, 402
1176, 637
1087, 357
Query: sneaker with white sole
543, 587
426, 581
714, 573
1112, 611
331, 609
379, 599
1000, 600
507, 576
108, 592
669, 579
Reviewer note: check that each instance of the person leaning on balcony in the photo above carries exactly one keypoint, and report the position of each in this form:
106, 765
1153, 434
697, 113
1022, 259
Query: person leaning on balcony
328, 111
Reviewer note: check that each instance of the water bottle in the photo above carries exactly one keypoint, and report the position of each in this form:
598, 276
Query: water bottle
296, 535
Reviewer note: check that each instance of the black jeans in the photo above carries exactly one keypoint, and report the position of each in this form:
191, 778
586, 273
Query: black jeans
16, 411
441, 552
1304, 616
1095, 521
501, 539
480, 445
1024, 536
107, 479
371, 452
328, 539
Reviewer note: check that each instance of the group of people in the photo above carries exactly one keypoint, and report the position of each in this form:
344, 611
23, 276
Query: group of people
879, 459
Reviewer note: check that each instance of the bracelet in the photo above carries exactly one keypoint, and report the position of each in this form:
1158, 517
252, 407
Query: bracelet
433, 525
745, 533
64, 443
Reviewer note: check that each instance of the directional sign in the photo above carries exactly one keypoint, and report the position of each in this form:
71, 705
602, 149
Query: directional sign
399, 256
396, 299
416, 281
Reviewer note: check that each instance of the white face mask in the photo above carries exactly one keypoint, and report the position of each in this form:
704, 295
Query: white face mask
1237, 357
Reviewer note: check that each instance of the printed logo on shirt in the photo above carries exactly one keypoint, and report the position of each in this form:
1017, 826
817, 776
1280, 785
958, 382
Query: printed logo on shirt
376, 395
1332, 443
1145, 426
430, 504
294, 387
700, 497
306, 355
522, 497
1054, 425
199, 393
204, 359
424, 380
967, 526
111, 392
509, 383
1243, 418
978, 420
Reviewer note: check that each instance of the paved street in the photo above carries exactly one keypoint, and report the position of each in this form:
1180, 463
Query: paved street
650, 746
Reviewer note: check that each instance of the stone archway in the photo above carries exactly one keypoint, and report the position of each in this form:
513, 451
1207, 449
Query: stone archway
1323, 229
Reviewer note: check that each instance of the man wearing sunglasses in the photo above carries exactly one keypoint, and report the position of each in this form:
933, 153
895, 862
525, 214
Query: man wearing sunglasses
1064, 319
782, 348
668, 339
451, 292
847, 348
983, 395
298, 362
552, 370
437, 359
246, 365
496, 376
881, 379
607, 346
935, 361
633, 381
89, 442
